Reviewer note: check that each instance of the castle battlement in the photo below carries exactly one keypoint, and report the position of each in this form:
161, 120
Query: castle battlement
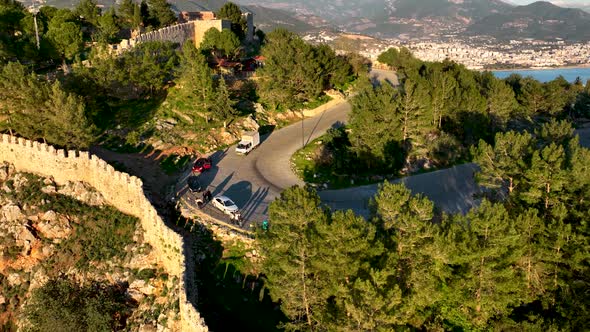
119, 189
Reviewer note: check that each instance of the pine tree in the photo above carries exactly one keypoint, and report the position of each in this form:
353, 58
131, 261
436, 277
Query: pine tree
555, 96
578, 182
65, 34
371, 303
67, 123
220, 43
345, 246
144, 14
89, 11
503, 165
138, 19
389, 57
442, 95
558, 132
160, 13
336, 70
470, 120
375, 126
233, 13
415, 114
107, 26
546, 177
291, 74
487, 252
196, 81
148, 65
223, 108
126, 11
501, 103
531, 96
417, 251
289, 251
21, 101
532, 255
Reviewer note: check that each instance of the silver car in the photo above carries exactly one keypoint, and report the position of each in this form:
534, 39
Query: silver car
225, 204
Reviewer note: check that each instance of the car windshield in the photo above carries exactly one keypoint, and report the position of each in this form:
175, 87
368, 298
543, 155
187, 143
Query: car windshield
228, 203
243, 146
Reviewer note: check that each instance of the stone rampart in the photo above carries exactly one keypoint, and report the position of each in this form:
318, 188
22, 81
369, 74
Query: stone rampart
121, 190
178, 33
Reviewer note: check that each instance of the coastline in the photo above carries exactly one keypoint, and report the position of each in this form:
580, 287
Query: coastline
580, 66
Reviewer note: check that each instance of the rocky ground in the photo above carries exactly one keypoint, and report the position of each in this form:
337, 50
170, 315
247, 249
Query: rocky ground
36, 244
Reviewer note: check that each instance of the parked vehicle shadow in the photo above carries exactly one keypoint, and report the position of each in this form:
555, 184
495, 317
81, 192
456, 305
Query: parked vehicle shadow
219, 188
218, 156
206, 177
240, 193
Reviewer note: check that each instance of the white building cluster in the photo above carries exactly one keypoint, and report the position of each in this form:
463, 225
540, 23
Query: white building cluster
516, 54
474, 53
526, 54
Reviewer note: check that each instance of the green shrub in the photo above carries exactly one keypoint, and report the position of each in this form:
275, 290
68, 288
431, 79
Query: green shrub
63, 305
146, 274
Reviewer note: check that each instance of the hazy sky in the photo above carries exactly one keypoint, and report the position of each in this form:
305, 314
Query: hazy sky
523, 2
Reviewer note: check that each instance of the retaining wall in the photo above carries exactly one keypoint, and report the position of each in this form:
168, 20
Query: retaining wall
121, 190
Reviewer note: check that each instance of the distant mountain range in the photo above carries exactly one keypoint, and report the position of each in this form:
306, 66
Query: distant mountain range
407, 18
266, 19
418, 18
539, 20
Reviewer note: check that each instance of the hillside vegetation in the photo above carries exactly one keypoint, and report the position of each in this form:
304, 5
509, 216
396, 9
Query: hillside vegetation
71, 262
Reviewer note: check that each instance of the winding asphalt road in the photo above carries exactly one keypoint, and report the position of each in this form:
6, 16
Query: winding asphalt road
255, 180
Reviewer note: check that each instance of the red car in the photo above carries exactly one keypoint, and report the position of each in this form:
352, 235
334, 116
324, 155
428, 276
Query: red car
201, 165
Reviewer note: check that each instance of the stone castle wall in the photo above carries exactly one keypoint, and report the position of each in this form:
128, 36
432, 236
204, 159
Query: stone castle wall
178, 33
121, 190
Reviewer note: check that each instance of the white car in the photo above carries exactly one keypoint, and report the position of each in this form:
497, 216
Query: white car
225, 204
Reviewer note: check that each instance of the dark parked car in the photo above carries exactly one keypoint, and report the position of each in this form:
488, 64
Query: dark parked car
194, 185
201, 165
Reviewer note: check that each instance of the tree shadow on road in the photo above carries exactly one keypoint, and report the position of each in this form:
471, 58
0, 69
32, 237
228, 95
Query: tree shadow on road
220, 187
254, 202
315, 121
248, 201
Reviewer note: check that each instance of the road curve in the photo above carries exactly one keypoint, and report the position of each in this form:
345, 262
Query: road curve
274, 159
255, 180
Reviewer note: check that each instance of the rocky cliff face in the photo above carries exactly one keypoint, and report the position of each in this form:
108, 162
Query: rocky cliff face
46, 230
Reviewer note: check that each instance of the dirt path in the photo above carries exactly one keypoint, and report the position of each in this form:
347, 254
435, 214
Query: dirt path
146, 167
